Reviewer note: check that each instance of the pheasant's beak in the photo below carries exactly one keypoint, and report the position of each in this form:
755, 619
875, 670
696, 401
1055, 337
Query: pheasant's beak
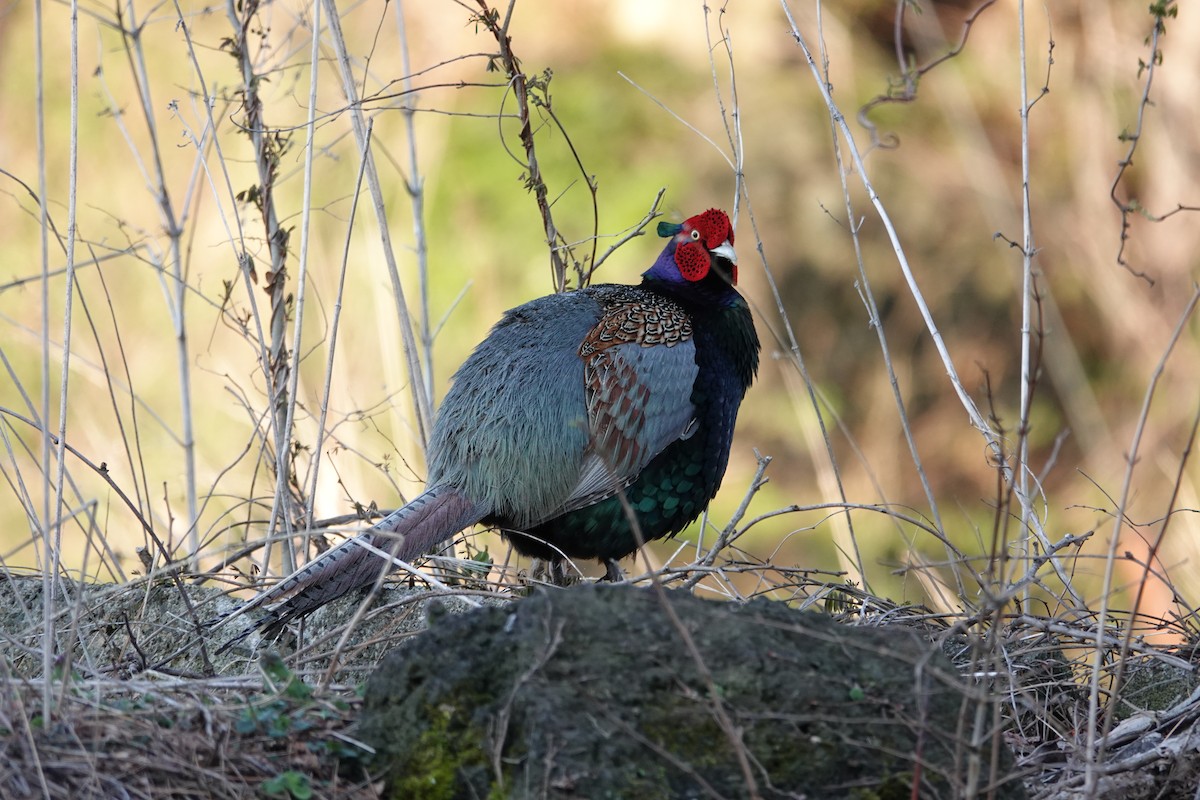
725, 251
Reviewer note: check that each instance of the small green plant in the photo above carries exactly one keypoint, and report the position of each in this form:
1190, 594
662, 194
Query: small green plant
278, 674
472, 570
289, 784
292, 716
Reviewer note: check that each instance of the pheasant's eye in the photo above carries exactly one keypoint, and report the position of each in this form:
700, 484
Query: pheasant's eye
695, 235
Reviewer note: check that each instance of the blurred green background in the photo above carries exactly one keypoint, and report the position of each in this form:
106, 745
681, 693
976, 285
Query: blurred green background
947, 166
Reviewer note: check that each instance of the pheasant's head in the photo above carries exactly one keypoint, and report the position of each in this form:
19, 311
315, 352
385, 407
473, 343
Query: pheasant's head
699, 245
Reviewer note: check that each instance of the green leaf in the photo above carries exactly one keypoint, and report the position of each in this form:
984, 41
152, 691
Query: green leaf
291, 783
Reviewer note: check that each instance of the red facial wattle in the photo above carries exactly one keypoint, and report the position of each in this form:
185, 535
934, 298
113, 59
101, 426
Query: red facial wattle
693, 260
700, 237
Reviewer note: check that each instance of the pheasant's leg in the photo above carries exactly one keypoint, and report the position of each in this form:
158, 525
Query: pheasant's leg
612, 571
554, 571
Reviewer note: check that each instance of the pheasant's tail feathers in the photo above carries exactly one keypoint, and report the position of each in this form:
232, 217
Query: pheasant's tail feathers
403, 535
335, 572
266, 623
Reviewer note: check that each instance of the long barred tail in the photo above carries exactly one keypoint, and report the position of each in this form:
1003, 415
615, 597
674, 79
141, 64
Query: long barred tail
408, 532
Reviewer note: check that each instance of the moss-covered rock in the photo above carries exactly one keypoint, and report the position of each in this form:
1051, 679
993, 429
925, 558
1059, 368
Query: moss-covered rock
594, 692
1152, 684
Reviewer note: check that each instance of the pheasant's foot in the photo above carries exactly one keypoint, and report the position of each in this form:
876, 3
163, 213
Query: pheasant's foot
556, 572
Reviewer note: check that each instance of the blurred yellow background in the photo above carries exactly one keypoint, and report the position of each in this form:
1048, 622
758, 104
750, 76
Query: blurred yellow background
639, 89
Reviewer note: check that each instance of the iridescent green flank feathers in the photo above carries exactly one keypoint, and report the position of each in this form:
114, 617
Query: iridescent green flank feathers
575, 408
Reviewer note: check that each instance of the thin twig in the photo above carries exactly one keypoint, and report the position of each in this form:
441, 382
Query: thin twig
1095, 741
875, 319
1128, 208
911, 76
520, 87
976, 418
411, 349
